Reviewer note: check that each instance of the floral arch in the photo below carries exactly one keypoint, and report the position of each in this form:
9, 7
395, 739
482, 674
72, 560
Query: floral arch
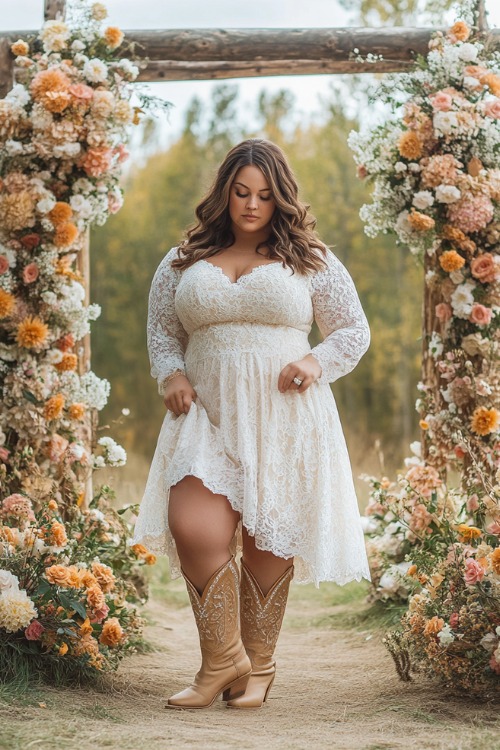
70, 582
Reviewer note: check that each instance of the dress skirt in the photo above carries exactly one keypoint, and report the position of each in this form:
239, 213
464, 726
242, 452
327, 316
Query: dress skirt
280, 458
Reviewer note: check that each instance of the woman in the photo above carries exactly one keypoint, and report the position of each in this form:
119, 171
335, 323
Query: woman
251, 450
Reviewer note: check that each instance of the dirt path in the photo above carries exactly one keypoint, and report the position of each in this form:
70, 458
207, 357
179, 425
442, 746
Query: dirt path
335, 688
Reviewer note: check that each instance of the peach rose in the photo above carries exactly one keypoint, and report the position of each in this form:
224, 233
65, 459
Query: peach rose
484, 268
4, 264
57, 446
492, 109
34, 631
474, 572
441, 102
30, 273
480, 315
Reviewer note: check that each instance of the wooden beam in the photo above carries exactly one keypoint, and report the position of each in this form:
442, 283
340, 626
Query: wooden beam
6, 68
167, 70
54, 9
259, 45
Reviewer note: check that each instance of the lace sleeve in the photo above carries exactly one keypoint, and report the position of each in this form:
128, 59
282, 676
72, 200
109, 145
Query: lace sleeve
340, 319
166, 337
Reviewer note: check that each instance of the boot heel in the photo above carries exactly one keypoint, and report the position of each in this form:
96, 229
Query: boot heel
237, 688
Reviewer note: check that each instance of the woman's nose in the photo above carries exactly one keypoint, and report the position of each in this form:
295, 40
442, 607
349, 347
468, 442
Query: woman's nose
252, 202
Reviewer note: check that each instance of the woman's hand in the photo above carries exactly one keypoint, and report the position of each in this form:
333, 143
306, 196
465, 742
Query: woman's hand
178, 395
308, 370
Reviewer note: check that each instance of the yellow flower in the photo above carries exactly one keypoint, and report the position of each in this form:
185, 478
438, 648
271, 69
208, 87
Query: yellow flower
7, 303
99, 12
484, 420
468, 532
32, 332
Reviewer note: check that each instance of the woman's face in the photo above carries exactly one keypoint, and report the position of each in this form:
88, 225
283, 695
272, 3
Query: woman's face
251, 204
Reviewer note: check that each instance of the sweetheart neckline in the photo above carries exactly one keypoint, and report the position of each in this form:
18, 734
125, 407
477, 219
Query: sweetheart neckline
243, 275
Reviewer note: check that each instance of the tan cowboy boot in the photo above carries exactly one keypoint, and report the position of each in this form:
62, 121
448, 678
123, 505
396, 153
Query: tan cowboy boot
225, 667
261, 619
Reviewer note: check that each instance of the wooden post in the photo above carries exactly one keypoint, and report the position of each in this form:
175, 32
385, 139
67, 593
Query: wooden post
6, 67
54, 9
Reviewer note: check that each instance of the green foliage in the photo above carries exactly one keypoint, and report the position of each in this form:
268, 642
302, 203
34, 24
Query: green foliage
376, 400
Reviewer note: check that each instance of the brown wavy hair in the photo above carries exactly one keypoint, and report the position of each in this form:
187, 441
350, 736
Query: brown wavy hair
292, 237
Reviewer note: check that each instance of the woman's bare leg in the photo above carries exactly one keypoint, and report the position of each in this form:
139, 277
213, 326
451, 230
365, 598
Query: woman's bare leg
265, 566
203, 525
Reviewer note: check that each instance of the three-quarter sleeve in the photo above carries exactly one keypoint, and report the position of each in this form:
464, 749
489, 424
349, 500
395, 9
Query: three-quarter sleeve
340, 319
166, 337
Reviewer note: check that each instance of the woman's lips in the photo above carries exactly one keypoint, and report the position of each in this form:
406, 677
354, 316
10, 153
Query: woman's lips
250, 218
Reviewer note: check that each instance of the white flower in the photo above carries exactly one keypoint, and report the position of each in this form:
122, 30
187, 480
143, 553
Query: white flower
53, 356
80, 59
467, 52
13, 148
54, 35
445, 122
369, 524
423, 199
96, 514
18, 94
93, 311
400, 166
489, 641
462, 300
99, 462
445, 635
414, 166
81, 205
77, 46
435, 345
457, 276
8, 581
16, 610
447, 193
95, 70
45, 205
416, 448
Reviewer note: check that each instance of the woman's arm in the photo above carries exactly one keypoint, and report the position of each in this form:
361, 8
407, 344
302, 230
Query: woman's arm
166, 338
340, 319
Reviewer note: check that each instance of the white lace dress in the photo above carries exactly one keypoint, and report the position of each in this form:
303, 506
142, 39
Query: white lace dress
280, 458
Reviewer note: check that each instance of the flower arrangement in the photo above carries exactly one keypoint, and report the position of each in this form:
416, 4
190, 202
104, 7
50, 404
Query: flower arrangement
63, 133
434, 170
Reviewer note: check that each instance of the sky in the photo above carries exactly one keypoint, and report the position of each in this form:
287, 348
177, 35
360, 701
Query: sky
162, 14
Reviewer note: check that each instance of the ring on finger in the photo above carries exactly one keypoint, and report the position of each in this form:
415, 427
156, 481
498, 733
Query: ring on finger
297, 381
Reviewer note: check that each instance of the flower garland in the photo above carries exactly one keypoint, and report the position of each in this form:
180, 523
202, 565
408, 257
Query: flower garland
63, 129
436, 186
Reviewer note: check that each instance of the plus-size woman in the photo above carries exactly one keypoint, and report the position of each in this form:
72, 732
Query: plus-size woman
251, 452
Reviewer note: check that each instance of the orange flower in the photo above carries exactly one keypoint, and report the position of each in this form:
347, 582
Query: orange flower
420, 222
32, 332
88, 578
139, 550
112, 632
459, 32
19, 48
433, 626
493, 82
423, 424
77, 411
150, 558
66, 233
61, 213
57, 574
85, 628
410, 145
495, 560
54, 407
104, 575
451, 261
95, 597
74, 577
468, 532
46, 81
63, 649
411, 571
52, 505
484, 420
65, 342
56, 101
58, 534
7, 303
68, 362
8, 534
113, 37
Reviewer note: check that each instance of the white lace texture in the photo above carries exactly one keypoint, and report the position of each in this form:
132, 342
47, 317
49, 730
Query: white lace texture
280, 458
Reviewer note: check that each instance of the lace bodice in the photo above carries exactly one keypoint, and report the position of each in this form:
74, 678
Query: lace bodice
181, 302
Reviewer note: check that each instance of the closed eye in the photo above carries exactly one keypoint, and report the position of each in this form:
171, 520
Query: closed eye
241, 195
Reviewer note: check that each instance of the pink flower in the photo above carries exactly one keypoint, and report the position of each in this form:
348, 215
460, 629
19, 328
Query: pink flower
4, 264
492, 108
30, 273
99, 614
454, 620
362, 171
57, 446
472, 503
18, 506
471, 213
494, 664
121, 153
97, 161
441, 102
115, 202
4, 454
443, 312
484, 268
480, 315
494, 528
34, 631
474, 572
459, 451
81, 91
